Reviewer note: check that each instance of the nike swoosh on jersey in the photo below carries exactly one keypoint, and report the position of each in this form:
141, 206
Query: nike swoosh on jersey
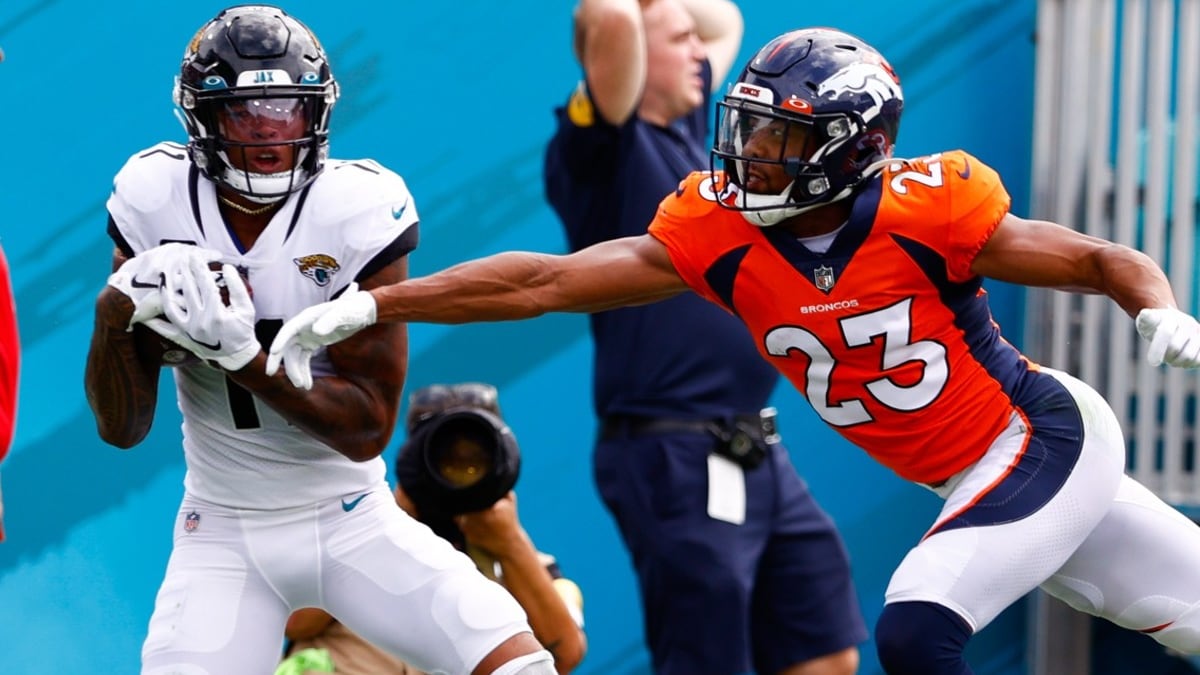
141, 284
348, 506
398, 212
965, 173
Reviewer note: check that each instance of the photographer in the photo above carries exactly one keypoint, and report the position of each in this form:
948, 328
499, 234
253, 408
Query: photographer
455, 472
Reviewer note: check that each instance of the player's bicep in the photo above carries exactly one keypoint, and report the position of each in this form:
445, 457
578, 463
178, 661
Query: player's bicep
1040, 253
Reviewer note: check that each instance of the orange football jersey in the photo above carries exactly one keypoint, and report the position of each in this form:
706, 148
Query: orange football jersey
888, 334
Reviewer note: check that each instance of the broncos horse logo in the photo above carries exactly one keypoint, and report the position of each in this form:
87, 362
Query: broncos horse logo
874, 80
318, 267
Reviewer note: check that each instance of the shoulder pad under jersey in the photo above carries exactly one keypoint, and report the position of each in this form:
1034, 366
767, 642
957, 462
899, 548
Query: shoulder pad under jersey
349, 188
696, 195
946, 187
146, 182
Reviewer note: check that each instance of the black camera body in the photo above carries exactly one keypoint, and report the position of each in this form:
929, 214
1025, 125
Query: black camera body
457, 460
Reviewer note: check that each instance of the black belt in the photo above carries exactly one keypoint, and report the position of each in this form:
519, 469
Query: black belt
615, 427
745, 439
625, 426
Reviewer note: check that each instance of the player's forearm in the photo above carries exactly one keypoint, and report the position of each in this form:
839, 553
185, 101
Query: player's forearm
121, 389
503, 287
357, 421
1132, 279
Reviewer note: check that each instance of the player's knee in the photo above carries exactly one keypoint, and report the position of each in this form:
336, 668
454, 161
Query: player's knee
1182, 634
921, 638
537, 663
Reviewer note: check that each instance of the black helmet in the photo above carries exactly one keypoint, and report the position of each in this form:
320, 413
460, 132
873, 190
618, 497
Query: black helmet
256, 62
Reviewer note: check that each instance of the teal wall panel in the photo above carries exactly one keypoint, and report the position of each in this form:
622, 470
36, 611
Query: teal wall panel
457, 97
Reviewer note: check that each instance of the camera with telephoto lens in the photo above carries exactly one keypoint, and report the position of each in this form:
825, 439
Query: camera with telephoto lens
460, 455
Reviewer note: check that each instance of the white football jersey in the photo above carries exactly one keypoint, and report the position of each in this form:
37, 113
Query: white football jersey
353, 220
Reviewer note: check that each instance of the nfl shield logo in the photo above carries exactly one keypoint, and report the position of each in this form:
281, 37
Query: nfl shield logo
824, 277
191, 522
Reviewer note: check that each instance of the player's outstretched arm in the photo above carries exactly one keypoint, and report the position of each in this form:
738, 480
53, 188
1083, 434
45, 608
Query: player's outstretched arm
506, 286
519, 285
1041, 253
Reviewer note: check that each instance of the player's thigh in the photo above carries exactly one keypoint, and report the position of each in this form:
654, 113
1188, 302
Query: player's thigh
805, 605
214, 613
1014, 518
1140, 567
407, 590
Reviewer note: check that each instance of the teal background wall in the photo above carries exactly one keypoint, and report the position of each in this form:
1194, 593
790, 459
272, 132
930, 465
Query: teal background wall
456, 97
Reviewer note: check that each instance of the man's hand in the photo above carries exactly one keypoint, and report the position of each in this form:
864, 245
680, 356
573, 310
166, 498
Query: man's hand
317, 327
1174, 337
496, 529
201, 322
140, 277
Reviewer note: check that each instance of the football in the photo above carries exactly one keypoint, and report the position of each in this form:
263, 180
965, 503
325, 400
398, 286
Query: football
216, 268
159, 349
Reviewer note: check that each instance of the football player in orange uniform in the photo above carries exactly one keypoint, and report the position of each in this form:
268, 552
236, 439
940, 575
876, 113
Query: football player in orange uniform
10, 366
860, 278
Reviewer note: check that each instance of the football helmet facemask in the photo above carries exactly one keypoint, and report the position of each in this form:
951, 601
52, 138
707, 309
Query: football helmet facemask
820, 103
253, 78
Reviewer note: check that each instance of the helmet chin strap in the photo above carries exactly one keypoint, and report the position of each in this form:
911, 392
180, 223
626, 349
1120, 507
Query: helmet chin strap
277, 184
773, 209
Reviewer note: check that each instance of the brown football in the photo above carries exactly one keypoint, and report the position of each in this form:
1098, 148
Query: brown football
157, 348
216, 267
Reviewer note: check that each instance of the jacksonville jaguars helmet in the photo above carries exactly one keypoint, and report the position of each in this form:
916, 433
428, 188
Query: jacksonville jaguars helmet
833, 92
255, 63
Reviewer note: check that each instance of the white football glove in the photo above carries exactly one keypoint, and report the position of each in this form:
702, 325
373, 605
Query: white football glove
199, 320
1174, 337
317, 327
140, 277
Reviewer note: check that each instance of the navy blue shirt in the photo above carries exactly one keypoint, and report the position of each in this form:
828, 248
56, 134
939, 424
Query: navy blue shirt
682, 357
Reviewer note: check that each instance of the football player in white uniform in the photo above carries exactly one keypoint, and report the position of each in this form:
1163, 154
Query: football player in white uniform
286, 504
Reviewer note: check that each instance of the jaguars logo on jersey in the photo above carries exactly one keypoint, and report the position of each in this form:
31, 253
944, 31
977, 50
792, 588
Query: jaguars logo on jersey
319, 267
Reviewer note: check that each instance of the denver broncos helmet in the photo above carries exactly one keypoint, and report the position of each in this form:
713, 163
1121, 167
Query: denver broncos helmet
260, 61
828, 87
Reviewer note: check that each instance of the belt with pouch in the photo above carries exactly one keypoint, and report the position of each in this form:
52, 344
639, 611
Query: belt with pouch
743, 439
